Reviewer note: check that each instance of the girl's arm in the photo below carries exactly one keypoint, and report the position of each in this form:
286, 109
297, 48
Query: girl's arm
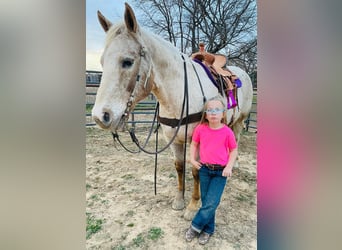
194, 155
227, 171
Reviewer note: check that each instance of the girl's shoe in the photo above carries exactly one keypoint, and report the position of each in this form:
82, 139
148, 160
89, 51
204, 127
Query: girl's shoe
204, 238
190, 234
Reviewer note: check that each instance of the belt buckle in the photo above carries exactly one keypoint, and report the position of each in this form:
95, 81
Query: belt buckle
211, 167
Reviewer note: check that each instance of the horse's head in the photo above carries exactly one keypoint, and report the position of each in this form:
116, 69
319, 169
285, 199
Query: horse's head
126, 77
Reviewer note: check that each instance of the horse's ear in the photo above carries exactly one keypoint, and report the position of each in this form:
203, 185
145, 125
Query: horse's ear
130, 20
105, 23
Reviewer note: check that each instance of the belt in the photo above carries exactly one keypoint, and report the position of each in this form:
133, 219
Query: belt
213, 166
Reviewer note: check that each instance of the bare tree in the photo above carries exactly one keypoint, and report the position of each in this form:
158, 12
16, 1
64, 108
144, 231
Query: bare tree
245, 56
159, 16
223, 25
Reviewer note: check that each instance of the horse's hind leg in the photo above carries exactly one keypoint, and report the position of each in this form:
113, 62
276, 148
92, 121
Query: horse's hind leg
193, 205
237, 128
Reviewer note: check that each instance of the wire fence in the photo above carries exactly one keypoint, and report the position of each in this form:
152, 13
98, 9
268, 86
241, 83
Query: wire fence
251, 121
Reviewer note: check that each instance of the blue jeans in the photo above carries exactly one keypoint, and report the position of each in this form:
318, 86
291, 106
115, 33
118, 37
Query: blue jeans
212, 184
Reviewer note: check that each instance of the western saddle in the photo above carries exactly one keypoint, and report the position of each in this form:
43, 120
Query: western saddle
226, 81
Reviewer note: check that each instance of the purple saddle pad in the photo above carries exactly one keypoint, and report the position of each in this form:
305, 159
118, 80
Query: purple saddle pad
238, 83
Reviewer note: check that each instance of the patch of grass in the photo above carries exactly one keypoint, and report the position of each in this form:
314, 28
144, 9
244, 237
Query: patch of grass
93, 225
245, 176
237, 246
242, 197
124, 236
95, 197
88, 186
130, 213
106, 202
255, 99
139, 240
119, 222
120, 247
127, 176
189, 178
89, 107
155, 233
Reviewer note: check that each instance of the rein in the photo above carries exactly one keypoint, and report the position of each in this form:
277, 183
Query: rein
175, 123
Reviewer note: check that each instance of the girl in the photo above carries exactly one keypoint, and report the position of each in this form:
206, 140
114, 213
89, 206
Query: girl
215, 142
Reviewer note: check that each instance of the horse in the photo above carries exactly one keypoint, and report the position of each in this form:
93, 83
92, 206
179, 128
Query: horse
135, 63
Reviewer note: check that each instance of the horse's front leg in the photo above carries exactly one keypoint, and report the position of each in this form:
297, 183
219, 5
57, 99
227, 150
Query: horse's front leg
178, 202
194, 203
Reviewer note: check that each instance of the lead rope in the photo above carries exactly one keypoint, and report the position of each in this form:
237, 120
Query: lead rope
116, 138
186, 94
136, 141
185, 103
156, 155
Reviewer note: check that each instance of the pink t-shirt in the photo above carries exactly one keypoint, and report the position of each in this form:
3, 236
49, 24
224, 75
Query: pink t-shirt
214, 144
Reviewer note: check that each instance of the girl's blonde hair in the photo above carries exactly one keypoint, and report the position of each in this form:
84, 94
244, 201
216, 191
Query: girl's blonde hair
205, 107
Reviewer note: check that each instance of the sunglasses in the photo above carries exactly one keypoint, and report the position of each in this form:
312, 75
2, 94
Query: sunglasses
214, 111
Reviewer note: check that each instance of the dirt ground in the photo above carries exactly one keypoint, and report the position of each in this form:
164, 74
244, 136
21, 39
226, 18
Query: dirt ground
120, 197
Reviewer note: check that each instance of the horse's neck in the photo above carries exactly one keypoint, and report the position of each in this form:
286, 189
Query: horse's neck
168, 74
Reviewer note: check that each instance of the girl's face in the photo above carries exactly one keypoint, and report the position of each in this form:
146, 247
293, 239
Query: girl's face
214, 111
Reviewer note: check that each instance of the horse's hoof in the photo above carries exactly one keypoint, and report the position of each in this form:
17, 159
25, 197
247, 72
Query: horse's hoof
178, 204
189, 214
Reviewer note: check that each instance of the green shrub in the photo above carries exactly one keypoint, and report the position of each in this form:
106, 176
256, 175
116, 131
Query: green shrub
155, 233
139, 240
93, 225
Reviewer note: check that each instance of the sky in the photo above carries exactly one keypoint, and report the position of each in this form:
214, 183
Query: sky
113, 10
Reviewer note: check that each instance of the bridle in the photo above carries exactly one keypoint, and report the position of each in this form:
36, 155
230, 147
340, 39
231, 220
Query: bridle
181, 121
128, 109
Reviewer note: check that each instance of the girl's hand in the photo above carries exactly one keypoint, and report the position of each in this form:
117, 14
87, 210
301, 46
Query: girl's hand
196, 164
227, 172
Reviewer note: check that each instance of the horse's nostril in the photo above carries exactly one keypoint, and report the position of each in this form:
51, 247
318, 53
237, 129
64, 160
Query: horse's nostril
106, 117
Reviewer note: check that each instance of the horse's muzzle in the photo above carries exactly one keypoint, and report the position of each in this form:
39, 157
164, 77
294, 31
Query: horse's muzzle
105, 120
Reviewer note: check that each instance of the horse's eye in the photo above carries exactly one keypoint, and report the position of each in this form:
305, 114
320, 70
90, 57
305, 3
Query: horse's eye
127, 63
